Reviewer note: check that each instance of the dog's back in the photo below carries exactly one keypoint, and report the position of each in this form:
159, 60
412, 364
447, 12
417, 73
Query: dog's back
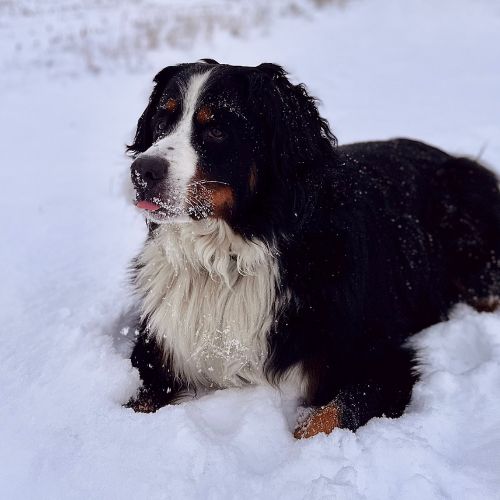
455, 199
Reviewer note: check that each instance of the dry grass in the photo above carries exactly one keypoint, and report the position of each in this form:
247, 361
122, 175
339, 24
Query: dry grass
71, 36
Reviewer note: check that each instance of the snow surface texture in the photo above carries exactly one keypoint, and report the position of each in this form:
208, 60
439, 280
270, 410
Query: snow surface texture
382, 68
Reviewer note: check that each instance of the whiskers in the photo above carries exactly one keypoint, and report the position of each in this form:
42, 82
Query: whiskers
199, 201
196, 200
209, 182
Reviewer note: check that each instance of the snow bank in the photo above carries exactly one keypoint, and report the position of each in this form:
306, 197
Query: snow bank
65, 435
427, 70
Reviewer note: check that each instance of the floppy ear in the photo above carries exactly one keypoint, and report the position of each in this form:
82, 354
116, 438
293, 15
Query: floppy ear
144, 135
299, 139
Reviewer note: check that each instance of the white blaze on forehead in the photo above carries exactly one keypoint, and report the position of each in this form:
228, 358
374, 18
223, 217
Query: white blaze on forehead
176, 147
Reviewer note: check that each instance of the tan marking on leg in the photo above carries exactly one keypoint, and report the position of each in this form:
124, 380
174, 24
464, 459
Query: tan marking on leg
324, 419
143, 403
487, 304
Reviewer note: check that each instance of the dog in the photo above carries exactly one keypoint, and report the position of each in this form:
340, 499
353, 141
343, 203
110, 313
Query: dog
276, 256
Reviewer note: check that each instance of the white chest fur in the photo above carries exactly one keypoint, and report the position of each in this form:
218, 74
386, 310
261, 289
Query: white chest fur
210, 299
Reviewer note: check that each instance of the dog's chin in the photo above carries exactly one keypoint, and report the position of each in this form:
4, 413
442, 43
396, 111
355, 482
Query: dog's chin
163, 217
160, 211
178, 219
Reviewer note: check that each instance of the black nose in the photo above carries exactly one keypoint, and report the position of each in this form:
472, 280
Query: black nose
148, 169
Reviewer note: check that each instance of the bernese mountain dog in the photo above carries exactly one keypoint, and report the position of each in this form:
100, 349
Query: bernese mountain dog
275, 256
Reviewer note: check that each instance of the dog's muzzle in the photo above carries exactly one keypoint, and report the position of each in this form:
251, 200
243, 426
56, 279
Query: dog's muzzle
147, 173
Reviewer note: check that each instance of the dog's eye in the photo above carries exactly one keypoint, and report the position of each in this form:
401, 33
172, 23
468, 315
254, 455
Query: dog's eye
215, 134
161, 126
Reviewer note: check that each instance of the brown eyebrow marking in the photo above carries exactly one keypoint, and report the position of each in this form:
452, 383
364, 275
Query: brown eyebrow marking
204, 115
171, 104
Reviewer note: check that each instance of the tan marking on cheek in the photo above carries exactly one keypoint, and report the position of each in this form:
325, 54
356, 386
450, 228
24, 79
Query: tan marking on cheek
222, 200
204, 115
171, 105
324, 419
209, 198
252, 179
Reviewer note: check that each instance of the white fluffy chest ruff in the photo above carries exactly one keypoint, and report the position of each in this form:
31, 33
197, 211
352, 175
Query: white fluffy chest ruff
210, 299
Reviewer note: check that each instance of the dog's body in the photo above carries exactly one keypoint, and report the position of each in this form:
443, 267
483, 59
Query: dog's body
274, 255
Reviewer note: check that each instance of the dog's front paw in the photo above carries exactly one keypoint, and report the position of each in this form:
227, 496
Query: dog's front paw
324, 419
144, 402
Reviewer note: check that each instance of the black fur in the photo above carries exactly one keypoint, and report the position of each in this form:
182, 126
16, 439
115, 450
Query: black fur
376, 241
159, 386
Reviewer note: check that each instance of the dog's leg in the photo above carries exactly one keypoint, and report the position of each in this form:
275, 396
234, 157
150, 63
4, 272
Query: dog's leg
384, 390
160, 387
353, 407
488, 304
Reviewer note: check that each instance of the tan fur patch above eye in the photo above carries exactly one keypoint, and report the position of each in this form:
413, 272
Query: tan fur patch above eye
204, 115
171, 105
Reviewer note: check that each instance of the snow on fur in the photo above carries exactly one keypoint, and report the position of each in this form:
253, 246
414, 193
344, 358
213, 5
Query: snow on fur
68, 234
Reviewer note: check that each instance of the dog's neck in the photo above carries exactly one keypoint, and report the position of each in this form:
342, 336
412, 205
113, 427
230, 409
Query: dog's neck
209, 298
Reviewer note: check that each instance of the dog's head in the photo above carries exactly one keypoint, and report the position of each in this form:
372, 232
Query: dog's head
229, 142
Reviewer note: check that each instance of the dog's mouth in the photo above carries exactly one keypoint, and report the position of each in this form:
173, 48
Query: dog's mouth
165, 212
201, 200
147, 205
161, 211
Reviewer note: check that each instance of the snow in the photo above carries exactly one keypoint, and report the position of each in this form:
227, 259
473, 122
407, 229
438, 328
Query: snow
383, 68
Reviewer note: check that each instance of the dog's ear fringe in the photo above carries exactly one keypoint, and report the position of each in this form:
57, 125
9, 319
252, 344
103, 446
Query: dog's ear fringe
301, 96
300, 140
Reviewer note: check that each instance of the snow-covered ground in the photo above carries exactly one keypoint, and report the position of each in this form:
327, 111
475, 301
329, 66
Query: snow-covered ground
69, 99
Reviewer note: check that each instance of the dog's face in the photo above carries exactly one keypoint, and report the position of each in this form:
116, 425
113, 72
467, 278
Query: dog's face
204, 147
220, 141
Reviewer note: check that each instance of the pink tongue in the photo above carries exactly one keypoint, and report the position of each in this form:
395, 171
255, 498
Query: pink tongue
147, 205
